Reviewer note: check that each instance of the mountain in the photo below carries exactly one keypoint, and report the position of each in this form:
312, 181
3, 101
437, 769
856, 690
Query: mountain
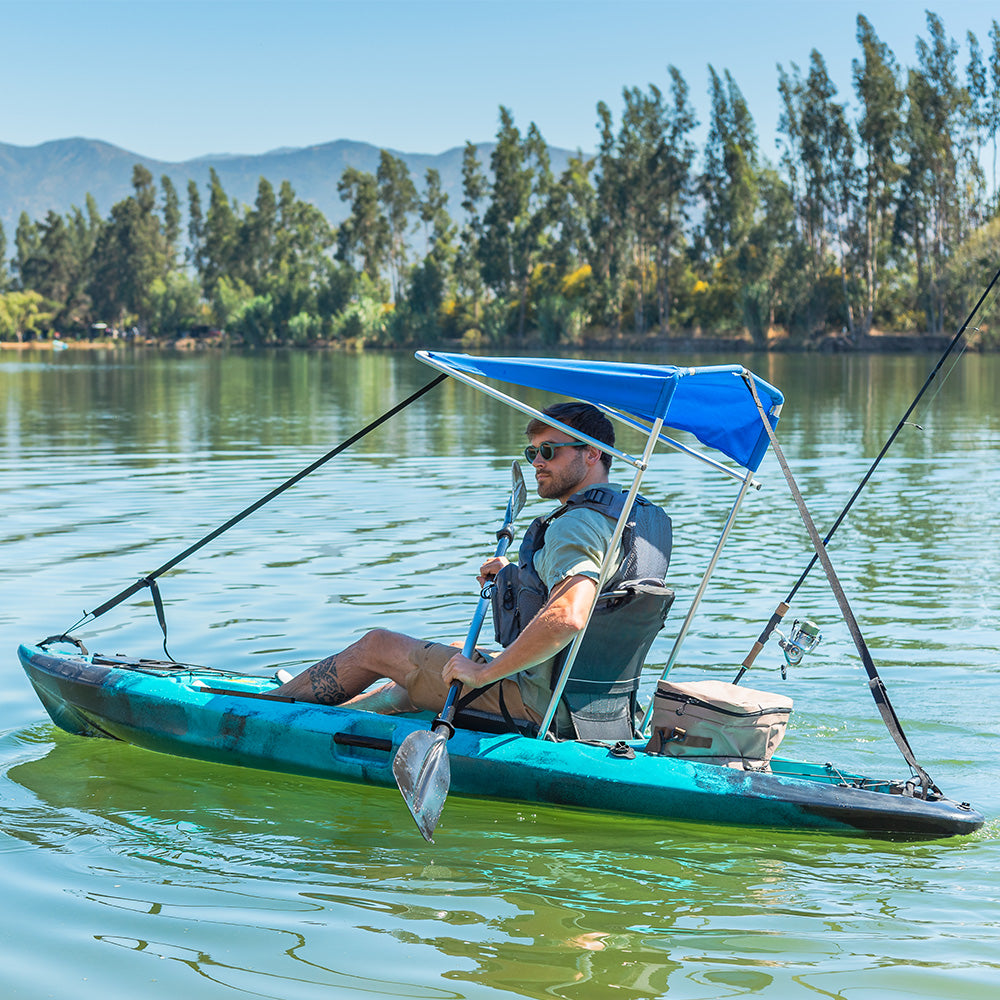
58, 175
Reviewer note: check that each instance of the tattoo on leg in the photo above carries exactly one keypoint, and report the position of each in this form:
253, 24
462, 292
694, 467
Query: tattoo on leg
326, 687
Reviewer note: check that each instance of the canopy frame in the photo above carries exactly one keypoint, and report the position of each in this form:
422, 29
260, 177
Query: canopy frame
654, 435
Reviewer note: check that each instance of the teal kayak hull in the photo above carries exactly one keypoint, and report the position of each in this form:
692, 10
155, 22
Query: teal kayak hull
232, 718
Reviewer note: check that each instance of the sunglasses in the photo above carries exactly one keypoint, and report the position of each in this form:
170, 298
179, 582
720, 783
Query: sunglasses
547, 449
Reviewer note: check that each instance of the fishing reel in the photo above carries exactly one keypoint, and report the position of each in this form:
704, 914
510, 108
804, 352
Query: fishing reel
803, 638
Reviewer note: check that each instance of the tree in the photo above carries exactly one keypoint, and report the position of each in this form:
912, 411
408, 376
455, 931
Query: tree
977, 123
364, 233
608, 231
21, 314
468, 274
728, 183
670, 166
516, 219
175, 304
298, 264
929, 219
430, 278
130, 254
196, 229
993, 116
643, 188
876, 84
729, 190
398, 197
257, 236
219, 250
819, 158
26, 243
171, 220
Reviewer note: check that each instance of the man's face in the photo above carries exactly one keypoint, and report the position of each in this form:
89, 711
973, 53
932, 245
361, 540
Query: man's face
558, 478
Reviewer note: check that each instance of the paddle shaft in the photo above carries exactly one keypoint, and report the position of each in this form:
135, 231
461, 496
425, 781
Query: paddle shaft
504, 537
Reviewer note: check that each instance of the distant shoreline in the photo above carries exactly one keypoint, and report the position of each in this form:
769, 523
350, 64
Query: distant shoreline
873, 343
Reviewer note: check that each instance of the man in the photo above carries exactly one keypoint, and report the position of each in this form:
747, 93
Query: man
563, 558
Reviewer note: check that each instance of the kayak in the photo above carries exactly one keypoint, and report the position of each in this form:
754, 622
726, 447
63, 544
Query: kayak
223, 716
233, 718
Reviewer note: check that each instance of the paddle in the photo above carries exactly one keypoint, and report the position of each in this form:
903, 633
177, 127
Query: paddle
421, 765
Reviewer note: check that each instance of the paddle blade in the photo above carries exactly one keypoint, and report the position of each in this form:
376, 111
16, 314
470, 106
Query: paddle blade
518, 492
423, 775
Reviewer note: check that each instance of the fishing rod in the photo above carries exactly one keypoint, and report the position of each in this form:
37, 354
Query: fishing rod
782, 609
150, 579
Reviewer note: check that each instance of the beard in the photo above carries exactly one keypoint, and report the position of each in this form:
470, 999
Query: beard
554, 485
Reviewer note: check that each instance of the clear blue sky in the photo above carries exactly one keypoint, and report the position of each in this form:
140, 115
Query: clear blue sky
174, 79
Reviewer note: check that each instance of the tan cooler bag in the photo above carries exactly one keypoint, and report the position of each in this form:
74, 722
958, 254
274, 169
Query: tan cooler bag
722, 722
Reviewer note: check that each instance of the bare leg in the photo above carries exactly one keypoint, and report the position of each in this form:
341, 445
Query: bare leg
389, 699
343, 676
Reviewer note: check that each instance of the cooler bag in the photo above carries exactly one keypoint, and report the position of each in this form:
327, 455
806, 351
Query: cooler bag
715, 720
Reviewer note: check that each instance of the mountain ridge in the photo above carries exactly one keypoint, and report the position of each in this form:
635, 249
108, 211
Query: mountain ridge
58, 174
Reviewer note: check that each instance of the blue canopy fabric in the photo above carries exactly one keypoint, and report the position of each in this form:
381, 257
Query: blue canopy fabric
713, 403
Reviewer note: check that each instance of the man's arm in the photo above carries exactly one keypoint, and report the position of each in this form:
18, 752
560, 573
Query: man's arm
561, 617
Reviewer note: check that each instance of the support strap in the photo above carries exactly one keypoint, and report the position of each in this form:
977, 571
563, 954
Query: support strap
154, 592
875, 684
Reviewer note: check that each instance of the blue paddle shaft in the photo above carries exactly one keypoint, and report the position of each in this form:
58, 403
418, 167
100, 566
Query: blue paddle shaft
448, 712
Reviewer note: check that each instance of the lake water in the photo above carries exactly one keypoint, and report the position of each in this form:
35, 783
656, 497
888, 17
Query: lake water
126, 873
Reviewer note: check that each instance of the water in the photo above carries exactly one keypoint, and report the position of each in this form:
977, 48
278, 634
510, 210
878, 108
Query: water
128, 873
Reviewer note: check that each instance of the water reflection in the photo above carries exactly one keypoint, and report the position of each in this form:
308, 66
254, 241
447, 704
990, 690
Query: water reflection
294, 884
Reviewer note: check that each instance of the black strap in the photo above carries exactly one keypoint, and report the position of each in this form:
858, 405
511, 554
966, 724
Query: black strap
875, 684
154, 592
508, 718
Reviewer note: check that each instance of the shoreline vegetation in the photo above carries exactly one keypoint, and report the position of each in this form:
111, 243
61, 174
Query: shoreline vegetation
882, 213
679, 343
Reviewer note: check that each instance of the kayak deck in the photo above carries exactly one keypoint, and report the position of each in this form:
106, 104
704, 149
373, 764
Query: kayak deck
225, 717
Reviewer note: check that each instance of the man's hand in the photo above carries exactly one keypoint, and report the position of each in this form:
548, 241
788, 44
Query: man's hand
490, 568
469, 672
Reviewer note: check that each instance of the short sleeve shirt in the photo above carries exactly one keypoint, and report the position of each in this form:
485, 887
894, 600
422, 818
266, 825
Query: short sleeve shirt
575, 544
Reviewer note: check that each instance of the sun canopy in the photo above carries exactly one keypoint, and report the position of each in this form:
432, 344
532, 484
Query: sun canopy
713, 403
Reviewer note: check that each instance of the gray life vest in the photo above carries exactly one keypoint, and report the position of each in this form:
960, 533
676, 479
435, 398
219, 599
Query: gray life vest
601, 691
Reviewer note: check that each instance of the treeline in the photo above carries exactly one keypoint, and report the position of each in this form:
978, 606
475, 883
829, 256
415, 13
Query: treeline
886, 216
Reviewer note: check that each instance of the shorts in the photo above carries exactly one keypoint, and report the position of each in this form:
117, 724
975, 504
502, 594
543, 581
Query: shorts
427, 688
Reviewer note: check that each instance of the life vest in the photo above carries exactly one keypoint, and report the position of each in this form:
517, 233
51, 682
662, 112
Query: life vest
601, 691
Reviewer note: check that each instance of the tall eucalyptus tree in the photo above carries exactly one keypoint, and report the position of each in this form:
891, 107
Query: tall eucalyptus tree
516, 220
364, 235
171, 220
609, 236
879, 127
130, 255
430, 279
993, 116
468, 272
219, 252
819, 158
397, 195
672, 166
730, 190
929, 219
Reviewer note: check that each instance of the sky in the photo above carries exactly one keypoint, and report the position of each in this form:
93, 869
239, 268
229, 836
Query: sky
174, 80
